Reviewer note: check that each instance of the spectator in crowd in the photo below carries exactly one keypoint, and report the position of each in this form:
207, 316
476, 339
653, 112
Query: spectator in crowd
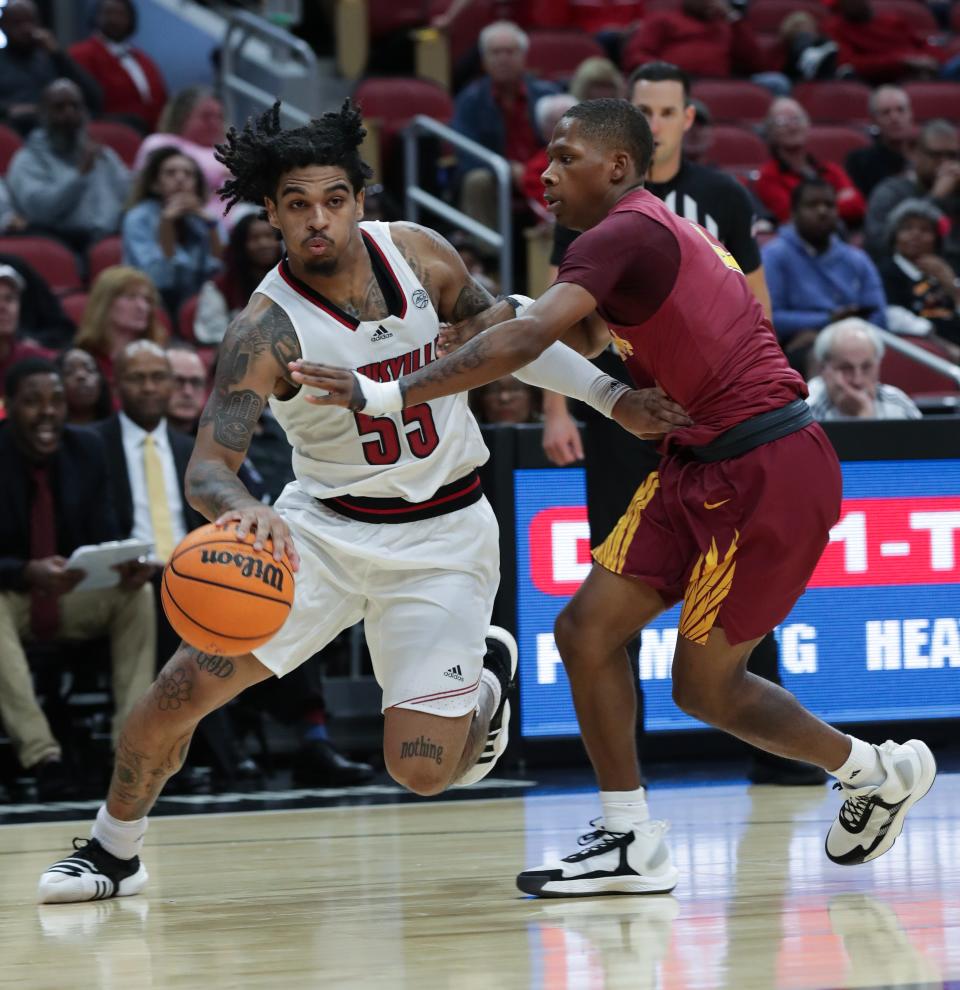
122, 308
935, 177
548, 111
31, 60
704, 38
253, 249
168, 232
55, 497
883, 46
10, 221
892, 138
193, 122
596, 78
506, 400
809, 53
814, 277
497, 112
41, 315
63, 183
923, 293
848, 354
787, 129
14, 346
132, 85
191, 385
84, 387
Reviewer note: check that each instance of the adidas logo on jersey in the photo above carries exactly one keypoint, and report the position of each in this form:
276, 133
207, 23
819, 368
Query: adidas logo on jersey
455, 672
381, 333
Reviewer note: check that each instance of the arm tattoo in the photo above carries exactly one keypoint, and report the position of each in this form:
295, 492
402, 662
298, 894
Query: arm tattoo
213, 489
473, 299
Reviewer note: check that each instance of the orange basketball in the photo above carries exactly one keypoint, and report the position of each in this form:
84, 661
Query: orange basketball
222, 596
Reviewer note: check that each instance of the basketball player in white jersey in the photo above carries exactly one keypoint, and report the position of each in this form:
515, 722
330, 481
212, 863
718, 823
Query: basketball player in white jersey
385, 522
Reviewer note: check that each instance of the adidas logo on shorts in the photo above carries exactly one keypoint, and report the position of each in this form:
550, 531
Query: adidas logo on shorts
455, 672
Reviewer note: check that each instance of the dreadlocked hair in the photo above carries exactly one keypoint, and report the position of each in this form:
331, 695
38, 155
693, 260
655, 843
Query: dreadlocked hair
260, 153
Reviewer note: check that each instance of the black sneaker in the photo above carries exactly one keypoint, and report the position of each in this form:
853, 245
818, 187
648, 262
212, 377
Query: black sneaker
501, 659
92, 874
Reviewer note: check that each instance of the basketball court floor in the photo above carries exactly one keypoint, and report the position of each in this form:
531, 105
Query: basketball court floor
420, 895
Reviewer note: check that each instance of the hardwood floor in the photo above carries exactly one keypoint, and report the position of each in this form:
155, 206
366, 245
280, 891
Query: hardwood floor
422, 897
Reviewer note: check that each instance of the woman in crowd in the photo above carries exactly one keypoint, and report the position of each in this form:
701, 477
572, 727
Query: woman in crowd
254, 249
506, 400
122, 307
86, 390
167, 232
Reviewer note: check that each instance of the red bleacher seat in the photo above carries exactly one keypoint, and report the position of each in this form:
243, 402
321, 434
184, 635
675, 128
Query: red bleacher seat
838, 102
914, 378
733, 100
766, 16
556, 54
52, 260
955, 18
103, 254
185, 317
389, 16
737, 149
918, 14
10, 144
393, 100
833, 143
123, 138
934, 99
74, 305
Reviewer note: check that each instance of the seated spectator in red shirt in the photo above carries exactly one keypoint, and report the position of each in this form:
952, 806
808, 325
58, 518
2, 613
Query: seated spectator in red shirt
787, 126
13, 345
548, 111
132, 85
84, 387
705, 38
883, 47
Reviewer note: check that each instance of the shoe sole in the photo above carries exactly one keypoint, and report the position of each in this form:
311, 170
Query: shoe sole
598, 886
928, 768
47, 894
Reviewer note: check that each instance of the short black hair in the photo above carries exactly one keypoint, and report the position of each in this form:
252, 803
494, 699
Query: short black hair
263, 151
798, 191
616, 123
131, 11
659, 72
24, 368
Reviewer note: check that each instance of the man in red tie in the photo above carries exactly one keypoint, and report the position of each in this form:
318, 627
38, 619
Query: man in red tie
54, 497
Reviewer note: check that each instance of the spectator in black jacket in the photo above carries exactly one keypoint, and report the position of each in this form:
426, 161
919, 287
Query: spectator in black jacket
893, 136
54, 497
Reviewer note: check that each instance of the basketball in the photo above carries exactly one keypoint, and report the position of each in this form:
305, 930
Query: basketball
222, 596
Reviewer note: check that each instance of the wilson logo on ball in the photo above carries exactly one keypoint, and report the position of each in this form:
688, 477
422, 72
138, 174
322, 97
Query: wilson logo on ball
248, 566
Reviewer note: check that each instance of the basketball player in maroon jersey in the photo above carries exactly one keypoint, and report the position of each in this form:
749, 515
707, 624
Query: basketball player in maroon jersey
732, 524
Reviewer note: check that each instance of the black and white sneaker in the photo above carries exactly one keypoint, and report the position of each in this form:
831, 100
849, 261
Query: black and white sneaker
92, 874
635, 862
871, 818
501, 659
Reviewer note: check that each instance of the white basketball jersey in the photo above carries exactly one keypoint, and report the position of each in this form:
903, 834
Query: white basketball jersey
407, 455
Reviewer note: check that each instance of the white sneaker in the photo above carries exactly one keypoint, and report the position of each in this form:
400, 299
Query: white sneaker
91, 874
501, 658
635, 862
872, 817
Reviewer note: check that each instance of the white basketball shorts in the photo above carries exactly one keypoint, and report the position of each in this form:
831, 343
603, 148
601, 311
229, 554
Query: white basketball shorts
423, 589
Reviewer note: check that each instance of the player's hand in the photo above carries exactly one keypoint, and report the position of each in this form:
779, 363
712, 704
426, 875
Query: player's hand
267, 525
50, 575
454, 335
649, 414
341, 385
561, 439
134, 574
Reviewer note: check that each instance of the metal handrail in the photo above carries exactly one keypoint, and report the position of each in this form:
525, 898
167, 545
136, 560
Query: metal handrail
416, 197
920, 355
243, 27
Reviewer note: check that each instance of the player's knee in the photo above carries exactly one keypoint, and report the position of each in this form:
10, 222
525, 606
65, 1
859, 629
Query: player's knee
179, 694
699, 701
419, 777
568, 633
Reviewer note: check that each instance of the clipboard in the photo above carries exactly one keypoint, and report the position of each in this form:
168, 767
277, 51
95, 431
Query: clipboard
98, 560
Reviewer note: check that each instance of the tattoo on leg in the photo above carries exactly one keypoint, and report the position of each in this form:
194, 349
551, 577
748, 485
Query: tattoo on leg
173, 689
222, 667
422, 748
138, 778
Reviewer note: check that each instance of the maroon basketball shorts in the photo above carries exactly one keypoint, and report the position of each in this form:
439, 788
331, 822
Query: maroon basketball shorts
735, 540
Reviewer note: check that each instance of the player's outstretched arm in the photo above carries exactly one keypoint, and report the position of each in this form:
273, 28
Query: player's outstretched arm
258, 346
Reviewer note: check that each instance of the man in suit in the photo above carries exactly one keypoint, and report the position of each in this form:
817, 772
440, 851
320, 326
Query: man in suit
54, 497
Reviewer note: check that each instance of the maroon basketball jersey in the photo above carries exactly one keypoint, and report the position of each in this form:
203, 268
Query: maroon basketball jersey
704, 339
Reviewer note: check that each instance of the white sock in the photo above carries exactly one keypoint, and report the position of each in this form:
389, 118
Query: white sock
489, 678
623, 810
121, 839
863, 767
